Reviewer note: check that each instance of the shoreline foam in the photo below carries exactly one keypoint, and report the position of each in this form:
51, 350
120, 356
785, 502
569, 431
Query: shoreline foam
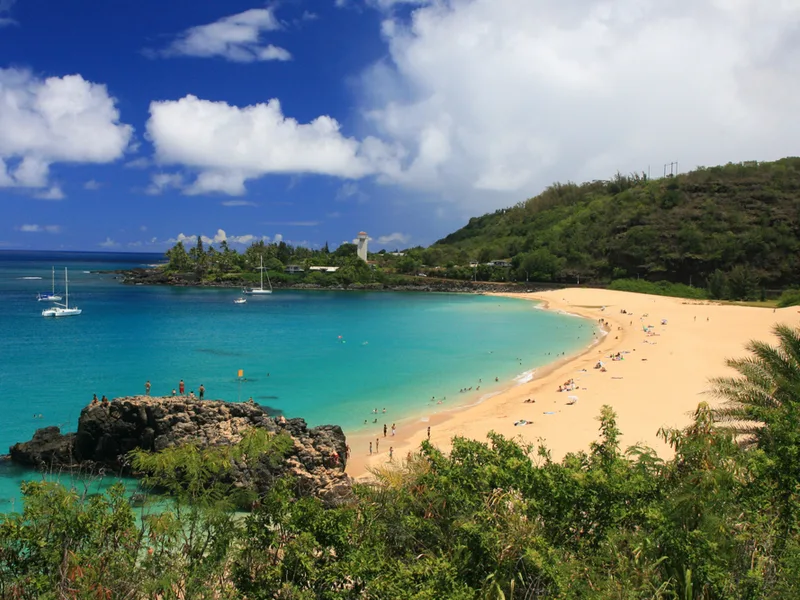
658, 384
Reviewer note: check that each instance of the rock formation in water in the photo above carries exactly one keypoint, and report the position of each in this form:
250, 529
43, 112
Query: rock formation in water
106, 434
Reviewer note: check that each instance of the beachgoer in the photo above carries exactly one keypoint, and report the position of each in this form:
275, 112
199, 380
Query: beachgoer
147, 388
377, 443
250, 400
94, 399
384, 430
181, 387
384, 410
394, 430
391, 452
429, 433
202, 391
370, 448
191, 395
174, 393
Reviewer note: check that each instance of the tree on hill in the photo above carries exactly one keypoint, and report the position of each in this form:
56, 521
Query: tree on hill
741, 219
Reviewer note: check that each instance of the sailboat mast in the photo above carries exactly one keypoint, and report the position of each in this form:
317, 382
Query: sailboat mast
66, 286
261, 256
54, 281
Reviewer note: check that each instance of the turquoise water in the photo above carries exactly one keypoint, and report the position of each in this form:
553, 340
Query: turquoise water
329, 357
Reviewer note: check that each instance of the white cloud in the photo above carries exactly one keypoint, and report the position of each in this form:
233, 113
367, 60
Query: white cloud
495, 99
401, 238
5, 9
39, 228
143, 228
163, 181
58, 119
235, 38
229, 145
191, 240
278, 238
238, 203
53, 193
138, 163
92, 185
108, 243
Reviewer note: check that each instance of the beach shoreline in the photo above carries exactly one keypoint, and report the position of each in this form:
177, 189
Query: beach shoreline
659, 382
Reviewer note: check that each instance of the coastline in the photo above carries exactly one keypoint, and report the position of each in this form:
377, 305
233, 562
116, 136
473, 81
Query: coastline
659, 382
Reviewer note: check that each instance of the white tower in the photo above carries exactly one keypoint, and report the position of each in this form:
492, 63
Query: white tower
362, 245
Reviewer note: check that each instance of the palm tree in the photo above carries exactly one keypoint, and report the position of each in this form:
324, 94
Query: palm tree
762, 409
766, 393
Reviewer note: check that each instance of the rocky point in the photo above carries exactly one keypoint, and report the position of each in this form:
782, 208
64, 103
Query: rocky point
106, 434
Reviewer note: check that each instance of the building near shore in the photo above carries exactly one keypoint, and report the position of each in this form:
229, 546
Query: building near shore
362, 245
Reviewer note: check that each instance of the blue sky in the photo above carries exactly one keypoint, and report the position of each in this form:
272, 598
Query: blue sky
127, 125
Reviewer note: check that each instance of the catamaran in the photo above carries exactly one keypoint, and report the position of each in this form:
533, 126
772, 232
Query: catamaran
52, 297
62, 310
259, 290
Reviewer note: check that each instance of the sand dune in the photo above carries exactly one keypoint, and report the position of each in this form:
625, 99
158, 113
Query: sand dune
660, 381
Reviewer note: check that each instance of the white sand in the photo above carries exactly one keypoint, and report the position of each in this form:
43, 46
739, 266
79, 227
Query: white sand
659, 383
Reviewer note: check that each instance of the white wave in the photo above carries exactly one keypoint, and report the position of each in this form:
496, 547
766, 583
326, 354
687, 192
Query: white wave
28, 277
525, 377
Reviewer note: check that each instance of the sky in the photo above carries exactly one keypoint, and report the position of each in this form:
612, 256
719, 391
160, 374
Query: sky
129, 125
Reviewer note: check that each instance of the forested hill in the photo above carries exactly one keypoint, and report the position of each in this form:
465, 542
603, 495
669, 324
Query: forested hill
740, 220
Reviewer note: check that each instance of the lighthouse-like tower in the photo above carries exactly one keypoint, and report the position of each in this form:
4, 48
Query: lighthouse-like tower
362, 245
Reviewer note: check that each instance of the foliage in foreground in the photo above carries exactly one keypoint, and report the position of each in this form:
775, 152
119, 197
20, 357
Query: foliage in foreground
487, 521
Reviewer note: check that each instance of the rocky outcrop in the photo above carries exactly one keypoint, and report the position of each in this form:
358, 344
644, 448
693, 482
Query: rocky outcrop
106, 434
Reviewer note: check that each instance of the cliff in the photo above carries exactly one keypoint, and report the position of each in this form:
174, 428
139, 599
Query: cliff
105, 435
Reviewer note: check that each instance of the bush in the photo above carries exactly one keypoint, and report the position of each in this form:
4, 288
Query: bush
658, 288
789, 298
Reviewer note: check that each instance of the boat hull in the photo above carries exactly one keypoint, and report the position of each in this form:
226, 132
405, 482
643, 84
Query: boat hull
61, 312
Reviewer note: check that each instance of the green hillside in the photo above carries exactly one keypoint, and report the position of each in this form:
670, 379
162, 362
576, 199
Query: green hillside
739, 220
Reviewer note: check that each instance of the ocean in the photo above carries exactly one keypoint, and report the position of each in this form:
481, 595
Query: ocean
326, 356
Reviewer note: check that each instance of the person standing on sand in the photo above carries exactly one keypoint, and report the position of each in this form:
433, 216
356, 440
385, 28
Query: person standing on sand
429, 433
370, 448
394, 430
384, 430
181, 387
147, 388
391, 452
202, 391
377, 441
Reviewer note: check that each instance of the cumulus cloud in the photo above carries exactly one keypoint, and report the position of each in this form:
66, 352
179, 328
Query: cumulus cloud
219, 237
53, 193
401, 238
108, 243
92, 185
228, 145
235, 38
39, 228
494, 99
53, 120
164, 181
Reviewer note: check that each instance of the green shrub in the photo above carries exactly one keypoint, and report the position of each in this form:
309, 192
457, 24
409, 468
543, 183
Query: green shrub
658, 288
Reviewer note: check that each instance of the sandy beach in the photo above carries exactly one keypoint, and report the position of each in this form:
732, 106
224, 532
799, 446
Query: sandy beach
660, 380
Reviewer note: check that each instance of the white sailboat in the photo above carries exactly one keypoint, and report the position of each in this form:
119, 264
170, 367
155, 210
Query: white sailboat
52, 297
259, 290
62, 310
